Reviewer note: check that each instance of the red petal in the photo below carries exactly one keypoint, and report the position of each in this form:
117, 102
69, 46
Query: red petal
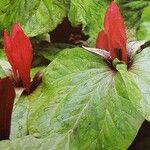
22, 53
102, 41
7, 96
8, 51
115, 29
16, 27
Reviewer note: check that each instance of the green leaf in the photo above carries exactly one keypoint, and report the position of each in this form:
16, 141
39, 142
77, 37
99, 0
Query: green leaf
81, 104
141, 74
143, 32
5, 68
2, 72
53, 142
2, 55
36, 16
19, 116
53, 50
19, 126
83, 99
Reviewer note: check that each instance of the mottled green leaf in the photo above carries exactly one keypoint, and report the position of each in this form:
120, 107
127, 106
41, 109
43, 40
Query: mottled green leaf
19, 124
53, 142
2, 72
79, 98
141, 74
2, 54
5, 68
81, 104
53, 50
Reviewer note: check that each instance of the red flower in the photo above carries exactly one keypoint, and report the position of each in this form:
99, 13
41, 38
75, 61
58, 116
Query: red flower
18, 50
113, 37
7, 96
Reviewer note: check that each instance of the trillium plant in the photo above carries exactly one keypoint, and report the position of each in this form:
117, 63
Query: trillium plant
82, 97
111, 42
18, 50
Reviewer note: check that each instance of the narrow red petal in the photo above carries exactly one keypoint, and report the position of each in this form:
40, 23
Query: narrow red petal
7, 46
102, 41
115, 29
16, 27
7, 96
22, 49
8, 51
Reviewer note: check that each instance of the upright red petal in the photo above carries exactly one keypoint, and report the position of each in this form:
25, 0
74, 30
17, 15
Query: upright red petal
115, 29
22, 48
8, 51
7, 96
15, 28
18, 49
102, 41
113, 37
